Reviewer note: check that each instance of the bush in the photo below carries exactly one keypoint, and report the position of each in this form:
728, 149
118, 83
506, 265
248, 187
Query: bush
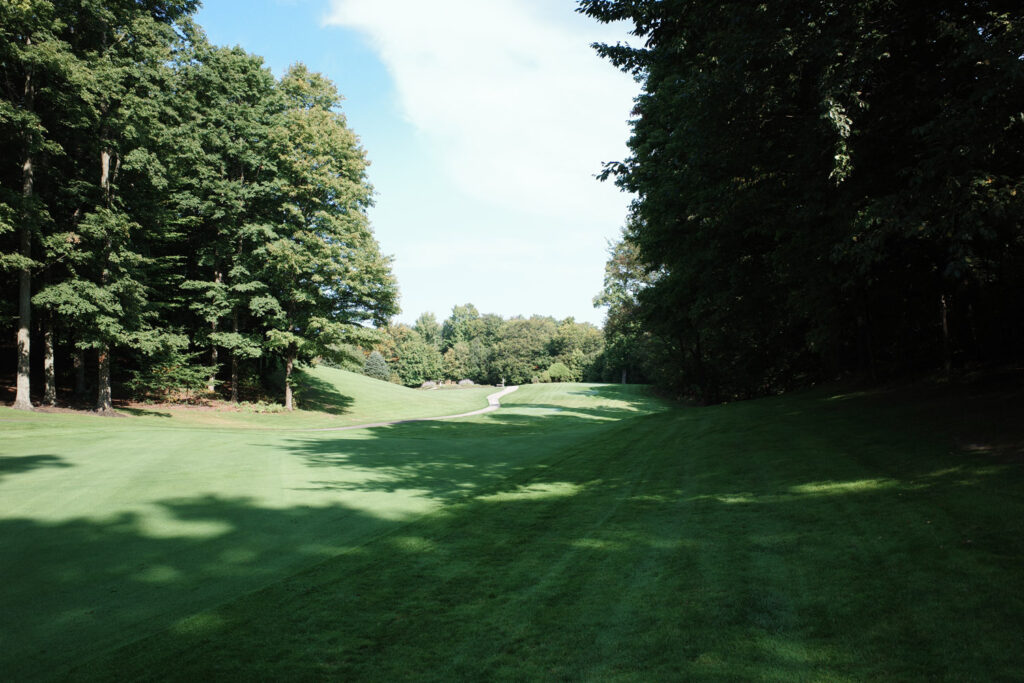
260, 407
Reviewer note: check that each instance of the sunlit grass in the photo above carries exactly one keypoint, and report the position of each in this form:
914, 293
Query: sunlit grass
326, 397
534, 492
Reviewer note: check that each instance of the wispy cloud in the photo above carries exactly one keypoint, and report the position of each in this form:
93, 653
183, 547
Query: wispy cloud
508, 95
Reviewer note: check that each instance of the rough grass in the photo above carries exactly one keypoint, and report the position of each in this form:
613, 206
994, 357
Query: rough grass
582, 532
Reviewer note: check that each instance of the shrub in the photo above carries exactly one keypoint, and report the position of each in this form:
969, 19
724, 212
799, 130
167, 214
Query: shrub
260, 407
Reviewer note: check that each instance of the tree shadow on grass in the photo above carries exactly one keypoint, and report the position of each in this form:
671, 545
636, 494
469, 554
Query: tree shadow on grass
76, 588
599, 413
447, 460
143, 412
616, 566
319, 395
623, 392
18, 464
593, 550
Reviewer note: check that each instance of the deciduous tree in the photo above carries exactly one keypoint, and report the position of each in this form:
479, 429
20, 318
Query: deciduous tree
326, 276
823, 187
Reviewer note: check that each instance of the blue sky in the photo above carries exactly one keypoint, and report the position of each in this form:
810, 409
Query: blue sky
484, 122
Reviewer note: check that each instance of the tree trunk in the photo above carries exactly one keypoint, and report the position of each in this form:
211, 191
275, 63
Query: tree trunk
699, 371
289, 363
864, 343
105, 175
947, 345
50, 394
978, 355
234, 377
103, 401
79, 361
234, 361
623, 376
22, 401
21, 398
211, 384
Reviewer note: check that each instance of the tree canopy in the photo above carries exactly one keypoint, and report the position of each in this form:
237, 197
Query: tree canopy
162, 197
823, 187
489, 349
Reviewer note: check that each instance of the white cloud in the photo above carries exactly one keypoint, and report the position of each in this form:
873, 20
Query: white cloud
509, 95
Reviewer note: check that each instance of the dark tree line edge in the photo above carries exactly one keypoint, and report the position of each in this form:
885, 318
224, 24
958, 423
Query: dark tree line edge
823, 189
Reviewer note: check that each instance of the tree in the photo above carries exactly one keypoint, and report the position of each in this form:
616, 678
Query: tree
29, 55
323, 267
576, 346
226, 189
376, 367
429, 329
458, 326
161, 197
822, 188
457, 361
521, 350
560, 372
119, 74
467, 360
418, 361
630, 351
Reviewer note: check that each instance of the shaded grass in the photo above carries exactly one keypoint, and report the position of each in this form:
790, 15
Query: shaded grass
572, 536
112, 529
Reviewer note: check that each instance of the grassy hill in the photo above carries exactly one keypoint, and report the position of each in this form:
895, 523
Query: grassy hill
326, 397
582, 531
351, 398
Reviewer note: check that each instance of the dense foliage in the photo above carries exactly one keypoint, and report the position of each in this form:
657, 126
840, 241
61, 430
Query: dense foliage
162, 198
489, 349
822, 188
631, 352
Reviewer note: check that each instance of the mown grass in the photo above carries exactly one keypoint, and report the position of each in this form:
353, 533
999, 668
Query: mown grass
326, 398
580, 533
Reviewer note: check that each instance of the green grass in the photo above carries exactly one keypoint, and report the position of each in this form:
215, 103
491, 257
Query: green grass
582, 532
327, 397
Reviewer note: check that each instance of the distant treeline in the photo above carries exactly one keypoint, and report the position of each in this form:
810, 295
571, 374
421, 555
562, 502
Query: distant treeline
489, 349
172, 217
823, 189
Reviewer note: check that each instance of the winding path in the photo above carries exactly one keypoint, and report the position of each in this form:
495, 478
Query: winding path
493, 403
